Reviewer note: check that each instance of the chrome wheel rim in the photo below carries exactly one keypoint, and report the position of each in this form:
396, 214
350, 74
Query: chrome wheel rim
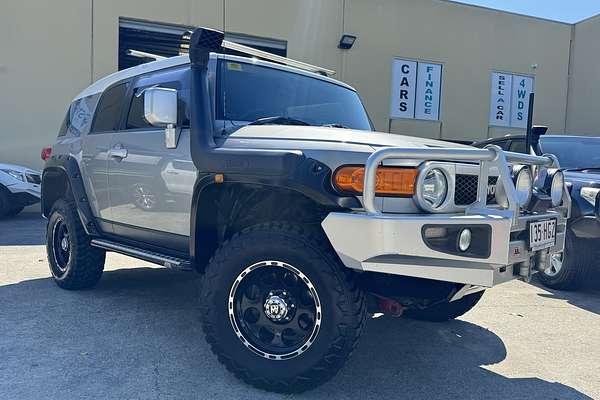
144, 198
555, 265
274, 310
61, 246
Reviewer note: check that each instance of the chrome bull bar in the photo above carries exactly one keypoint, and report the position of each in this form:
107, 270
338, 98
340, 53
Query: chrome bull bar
489, 157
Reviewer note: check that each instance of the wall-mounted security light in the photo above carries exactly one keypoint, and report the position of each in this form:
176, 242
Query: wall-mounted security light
346, 42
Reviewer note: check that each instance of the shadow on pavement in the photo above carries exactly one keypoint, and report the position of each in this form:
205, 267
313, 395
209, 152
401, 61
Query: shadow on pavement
586, 298
25, 229
137, 335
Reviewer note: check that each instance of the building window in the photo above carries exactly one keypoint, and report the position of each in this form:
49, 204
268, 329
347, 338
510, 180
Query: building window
509, 100
168, 40
416, 90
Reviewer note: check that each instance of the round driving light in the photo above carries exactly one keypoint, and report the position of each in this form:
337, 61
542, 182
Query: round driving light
556, 189
464, 240
434, 188
523, 184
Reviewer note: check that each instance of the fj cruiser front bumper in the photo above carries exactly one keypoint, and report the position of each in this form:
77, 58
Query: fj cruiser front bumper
397, 243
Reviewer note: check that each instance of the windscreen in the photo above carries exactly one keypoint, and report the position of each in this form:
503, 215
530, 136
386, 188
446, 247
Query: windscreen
573, 152
247, 92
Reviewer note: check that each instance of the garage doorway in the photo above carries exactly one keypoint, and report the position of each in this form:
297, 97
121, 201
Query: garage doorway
140, 40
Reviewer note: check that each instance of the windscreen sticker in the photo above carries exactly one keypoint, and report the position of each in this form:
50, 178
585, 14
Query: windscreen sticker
234, 66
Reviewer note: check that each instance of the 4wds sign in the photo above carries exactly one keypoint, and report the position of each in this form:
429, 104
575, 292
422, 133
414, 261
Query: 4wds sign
509, 100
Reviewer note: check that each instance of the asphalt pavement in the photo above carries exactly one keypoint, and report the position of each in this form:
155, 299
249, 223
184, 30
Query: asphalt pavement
137, 335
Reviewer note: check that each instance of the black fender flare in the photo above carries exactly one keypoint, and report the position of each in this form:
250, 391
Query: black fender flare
68, 166
306, 176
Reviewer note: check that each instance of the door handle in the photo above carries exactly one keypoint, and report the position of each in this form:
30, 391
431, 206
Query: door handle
118, 153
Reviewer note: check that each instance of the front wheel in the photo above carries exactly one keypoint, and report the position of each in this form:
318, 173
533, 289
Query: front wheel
447, 310
279, 309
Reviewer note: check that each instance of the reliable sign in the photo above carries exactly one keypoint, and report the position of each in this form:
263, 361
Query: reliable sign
416, 88
509, 100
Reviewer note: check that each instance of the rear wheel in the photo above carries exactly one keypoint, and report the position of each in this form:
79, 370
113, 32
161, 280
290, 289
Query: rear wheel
447, 310
568, 270
279, 310
74, 263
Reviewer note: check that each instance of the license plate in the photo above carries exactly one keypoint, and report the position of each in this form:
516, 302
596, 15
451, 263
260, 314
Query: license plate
542, 234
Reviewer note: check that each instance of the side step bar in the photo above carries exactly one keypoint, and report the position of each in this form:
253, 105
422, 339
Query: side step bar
170, 262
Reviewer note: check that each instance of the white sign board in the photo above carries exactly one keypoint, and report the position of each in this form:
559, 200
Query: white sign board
404, 83
522, 88
509, 100
416, 89
500, 103
429, 80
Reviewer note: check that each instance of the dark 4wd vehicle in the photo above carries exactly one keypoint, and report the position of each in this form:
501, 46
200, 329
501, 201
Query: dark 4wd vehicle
269, 181
579, 158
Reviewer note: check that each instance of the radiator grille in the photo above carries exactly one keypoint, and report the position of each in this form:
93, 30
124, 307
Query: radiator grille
465, 189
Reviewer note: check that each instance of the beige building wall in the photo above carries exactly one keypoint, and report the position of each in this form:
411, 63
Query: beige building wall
207, 13
583, 116
470, 42
44, 61
52, 49
312, 28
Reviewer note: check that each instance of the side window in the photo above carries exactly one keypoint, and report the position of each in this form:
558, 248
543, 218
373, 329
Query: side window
517, 146
135, 117
79, 116
108, 112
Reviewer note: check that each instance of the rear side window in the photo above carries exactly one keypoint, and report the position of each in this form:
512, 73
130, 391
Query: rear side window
108, 112
79, 116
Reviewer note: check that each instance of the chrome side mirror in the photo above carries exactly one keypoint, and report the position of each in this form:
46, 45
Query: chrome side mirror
160, 109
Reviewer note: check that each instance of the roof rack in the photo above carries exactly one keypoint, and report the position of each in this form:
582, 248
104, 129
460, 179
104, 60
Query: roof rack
143, 54
265, 55
276, 58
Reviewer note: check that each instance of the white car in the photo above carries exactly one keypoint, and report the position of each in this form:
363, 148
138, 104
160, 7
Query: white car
19, 187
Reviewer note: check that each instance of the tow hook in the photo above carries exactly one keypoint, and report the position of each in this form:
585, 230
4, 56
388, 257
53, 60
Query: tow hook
390, 307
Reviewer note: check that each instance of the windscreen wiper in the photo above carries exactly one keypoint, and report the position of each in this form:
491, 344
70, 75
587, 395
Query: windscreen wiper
583, 169
335, 125
279, 120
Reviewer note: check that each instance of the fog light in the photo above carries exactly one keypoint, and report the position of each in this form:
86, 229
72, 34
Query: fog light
464, 240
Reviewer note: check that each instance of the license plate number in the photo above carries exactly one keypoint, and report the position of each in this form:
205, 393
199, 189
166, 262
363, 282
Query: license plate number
542, 234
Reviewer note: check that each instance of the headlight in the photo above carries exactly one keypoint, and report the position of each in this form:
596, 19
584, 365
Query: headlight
589, 194
433, 189
523, 184
15, 174
556, 188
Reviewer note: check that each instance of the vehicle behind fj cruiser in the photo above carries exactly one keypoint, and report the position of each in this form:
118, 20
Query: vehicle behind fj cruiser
269, 181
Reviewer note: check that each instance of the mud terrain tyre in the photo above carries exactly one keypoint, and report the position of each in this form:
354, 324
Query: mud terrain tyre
446, 311
573, 268
279, 309
74, 263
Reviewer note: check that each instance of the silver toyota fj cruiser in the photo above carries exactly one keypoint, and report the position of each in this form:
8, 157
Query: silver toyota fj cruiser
267, 178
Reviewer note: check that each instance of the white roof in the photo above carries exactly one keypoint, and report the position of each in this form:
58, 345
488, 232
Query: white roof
103, 83
100, 85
